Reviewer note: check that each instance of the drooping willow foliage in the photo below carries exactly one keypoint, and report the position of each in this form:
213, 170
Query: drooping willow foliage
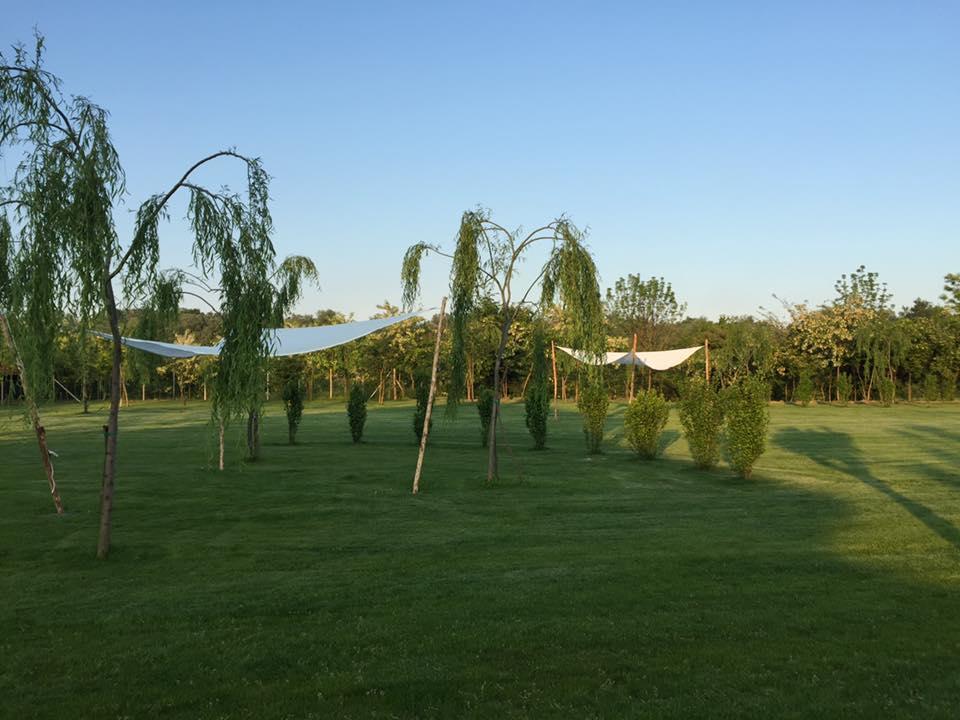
484, 262
64, 190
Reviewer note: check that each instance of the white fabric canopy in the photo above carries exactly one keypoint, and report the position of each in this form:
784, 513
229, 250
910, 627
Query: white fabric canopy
654, 359
284, 341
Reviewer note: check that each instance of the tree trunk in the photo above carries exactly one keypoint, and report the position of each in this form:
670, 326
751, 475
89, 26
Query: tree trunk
330, 380
34, 416
221, 445
110, 429
492, 469
253, 435
393, 386
633, 368
430, 397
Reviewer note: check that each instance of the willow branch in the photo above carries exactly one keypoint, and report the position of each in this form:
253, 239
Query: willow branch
166, 198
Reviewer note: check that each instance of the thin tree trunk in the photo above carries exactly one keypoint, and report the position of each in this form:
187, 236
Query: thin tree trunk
393, 386
221, 444
633, 367
253, 434
330, 381
110, 444
34, 416
492, 469
430, 396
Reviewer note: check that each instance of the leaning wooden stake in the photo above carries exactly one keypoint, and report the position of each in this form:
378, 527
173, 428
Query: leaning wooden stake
553, 359
433, 390
34, 416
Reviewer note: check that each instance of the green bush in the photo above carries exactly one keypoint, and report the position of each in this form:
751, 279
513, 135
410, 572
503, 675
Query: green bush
747, 418
536, 399
643, 422
948, 389
357, 410
803, 393
888, 391
485, 409
701, 416
422, 387
293, 395
931, 388
592, 404
844, 388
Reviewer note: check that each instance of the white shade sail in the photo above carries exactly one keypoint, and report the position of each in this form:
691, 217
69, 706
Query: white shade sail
284, 341
653, 359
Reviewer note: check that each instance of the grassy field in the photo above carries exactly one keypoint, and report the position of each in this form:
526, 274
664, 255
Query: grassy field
313, 585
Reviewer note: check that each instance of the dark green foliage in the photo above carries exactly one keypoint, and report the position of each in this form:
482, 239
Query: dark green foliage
357, 411
537, 396
643, 422
294, 393
948, 386
592, 404
701, 416
747, 412
485, 410
804, 390
931, 387
888, 391
422, 389
844, 388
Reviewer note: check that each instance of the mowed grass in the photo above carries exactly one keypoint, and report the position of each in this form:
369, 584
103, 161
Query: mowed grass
314, 585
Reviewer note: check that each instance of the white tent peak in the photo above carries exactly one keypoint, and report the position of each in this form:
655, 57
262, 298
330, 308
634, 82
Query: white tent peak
653, 359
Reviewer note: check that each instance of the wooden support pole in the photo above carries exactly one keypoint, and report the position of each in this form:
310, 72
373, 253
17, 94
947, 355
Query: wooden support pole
706, 355
430, 396
553, 360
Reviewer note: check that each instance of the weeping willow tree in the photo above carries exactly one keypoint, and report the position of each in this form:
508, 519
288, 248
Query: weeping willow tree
485, 262
253, 294
66, 186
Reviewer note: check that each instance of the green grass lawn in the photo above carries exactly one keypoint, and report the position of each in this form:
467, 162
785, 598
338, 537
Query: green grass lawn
313, 584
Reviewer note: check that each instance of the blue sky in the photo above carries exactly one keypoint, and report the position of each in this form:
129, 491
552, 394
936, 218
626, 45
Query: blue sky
738, 149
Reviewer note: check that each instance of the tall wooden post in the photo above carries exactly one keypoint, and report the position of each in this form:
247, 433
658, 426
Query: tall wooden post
706, 355
553, 359
430, 396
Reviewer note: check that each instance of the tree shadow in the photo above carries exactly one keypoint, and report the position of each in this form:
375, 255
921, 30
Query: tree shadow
668, 438
838, 451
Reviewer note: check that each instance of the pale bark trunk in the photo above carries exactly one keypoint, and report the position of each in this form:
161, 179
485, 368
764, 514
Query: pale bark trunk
330, 380
221, 445
492, 469
110, 444
553, 360
41, 433
430, 397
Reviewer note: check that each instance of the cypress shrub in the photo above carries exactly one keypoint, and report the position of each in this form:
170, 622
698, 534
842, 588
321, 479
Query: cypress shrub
357, 410
844, 388
293, 395
888, 391
485, 409
804, 392
747, 418
592, 404
701, 416
643, 422
537, 397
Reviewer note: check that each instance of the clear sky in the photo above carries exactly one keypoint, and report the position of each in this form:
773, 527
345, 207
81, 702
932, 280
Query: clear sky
738, 149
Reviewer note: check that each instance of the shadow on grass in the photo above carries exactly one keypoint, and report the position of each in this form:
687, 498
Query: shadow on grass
838, 451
